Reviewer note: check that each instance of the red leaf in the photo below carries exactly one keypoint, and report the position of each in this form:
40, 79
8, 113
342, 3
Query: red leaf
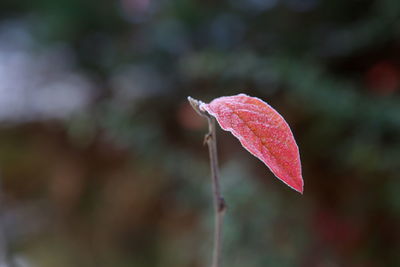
263, 132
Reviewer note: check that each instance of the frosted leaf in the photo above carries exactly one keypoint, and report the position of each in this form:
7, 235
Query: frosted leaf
263, 132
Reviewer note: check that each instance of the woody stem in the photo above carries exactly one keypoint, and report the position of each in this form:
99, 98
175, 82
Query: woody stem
218, 200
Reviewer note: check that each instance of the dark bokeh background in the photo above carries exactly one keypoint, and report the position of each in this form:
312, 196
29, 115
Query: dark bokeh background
101, 157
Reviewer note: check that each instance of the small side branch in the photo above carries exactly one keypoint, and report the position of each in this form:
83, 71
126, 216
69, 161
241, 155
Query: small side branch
219, 203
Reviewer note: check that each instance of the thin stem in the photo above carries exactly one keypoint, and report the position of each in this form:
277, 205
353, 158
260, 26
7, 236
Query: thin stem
218, 200
219, 203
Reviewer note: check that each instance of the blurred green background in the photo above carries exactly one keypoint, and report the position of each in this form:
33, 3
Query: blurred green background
101, 157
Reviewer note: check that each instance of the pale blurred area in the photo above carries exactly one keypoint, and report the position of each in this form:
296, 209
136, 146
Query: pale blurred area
38, 83
101, 156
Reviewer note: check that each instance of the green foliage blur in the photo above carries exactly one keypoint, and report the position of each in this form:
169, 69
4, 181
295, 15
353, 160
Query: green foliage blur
101, 156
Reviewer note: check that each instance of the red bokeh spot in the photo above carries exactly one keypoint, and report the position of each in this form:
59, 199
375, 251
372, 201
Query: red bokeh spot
189, 119
383, 78
337, 231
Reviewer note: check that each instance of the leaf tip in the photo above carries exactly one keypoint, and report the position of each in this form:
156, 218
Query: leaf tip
300, 188
301, 191
297, 186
